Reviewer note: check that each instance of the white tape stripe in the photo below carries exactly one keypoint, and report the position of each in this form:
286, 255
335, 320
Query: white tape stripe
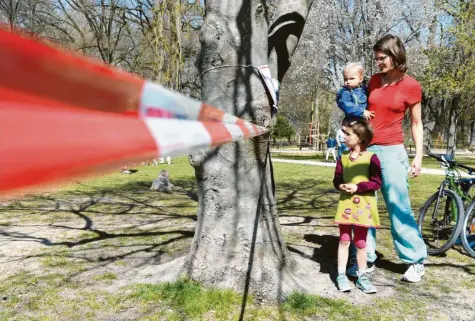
230, 119
235, 131
178, 137
251, 129
154, 95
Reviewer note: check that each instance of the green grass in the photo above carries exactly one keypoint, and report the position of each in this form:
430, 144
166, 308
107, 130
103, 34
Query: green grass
110, 225
299, 306
428, 162
107, 276
188, 299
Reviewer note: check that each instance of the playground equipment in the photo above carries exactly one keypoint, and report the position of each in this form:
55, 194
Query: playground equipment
316, 142
314, 133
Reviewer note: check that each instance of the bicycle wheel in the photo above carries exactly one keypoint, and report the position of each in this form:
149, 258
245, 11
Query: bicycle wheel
441, 221
468, 230
468, 188
471, 192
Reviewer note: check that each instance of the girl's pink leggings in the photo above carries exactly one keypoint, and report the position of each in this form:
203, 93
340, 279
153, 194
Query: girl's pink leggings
359, 234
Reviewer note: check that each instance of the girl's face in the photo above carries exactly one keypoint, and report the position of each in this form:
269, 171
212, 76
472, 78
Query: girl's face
352, 140
383, 61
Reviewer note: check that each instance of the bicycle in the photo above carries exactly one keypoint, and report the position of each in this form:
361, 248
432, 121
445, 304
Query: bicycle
464, 184
468, 231
441, 230
468, 227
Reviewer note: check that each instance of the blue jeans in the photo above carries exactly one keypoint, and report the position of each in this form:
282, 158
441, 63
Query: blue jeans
395, 189
342, 148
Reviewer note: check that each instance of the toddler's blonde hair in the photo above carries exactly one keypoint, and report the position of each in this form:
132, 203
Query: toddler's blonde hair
356, 65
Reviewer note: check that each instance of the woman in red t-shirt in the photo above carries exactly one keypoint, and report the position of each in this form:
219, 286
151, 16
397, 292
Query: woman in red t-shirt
390, 94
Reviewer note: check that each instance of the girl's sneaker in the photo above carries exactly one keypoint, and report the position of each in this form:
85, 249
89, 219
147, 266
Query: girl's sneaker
343, 283
353, 269
365, 285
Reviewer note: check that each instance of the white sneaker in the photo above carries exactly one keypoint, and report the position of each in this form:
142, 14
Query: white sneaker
414, 273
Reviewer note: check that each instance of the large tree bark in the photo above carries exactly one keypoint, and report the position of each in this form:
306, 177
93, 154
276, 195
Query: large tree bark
429, 104
238, 241
453, 122
471, 144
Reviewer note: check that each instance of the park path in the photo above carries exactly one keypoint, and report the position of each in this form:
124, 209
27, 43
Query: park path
430, 171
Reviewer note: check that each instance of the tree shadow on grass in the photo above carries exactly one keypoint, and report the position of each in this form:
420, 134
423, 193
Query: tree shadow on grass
103, 225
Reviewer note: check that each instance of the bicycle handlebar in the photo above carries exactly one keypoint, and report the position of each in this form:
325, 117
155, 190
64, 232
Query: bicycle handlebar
440, 158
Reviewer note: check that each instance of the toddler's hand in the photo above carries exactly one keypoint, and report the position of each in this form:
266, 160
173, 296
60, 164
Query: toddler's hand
368, 114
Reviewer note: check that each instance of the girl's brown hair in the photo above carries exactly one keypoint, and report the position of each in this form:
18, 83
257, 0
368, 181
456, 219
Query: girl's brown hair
394, 47
363, 129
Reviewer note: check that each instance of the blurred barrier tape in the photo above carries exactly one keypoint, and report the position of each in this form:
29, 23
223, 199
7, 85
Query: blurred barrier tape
62, 115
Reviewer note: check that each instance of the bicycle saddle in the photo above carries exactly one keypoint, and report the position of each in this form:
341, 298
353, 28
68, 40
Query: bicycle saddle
449, 157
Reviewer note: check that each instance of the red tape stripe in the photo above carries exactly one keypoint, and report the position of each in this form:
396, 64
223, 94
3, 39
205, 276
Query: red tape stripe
243, 127
37, 69
218, 132
44, 141
210, 113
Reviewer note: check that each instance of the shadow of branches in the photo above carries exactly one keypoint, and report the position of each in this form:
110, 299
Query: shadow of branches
101, 225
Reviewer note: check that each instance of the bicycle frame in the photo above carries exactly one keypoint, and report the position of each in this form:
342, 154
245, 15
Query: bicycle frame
452, 181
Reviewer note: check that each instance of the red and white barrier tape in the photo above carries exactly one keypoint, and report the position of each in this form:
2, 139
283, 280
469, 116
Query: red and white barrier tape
62, 115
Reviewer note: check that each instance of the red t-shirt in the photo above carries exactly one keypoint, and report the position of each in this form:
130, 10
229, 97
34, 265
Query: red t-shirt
390, 104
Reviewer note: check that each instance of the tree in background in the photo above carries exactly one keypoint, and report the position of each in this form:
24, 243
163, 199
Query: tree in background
282, 129
341, 31
154, 39
449, 79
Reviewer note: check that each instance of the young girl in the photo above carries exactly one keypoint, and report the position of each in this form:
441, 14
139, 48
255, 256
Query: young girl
357, 176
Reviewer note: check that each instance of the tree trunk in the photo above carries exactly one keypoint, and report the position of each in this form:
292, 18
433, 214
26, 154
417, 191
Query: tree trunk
452, 128
471, 145
238, 241
315, 125
427, 122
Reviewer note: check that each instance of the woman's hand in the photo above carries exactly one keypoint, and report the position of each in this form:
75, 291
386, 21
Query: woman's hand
416, 166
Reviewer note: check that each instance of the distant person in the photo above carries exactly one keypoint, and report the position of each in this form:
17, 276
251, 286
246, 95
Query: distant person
331, 146
162, 161
357, 176
162, 183
169, 160
340, 140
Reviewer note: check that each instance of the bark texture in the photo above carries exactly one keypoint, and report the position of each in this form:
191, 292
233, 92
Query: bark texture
471, 144
238, 241
454, 115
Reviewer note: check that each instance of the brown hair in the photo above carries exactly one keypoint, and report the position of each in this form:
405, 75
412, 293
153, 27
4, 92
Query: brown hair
394, 47
363, 129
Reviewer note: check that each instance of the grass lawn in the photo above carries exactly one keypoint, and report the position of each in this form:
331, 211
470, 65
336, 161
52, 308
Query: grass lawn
428, 162
77, 253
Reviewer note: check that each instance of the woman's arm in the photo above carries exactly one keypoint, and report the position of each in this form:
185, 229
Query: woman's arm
418, 137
